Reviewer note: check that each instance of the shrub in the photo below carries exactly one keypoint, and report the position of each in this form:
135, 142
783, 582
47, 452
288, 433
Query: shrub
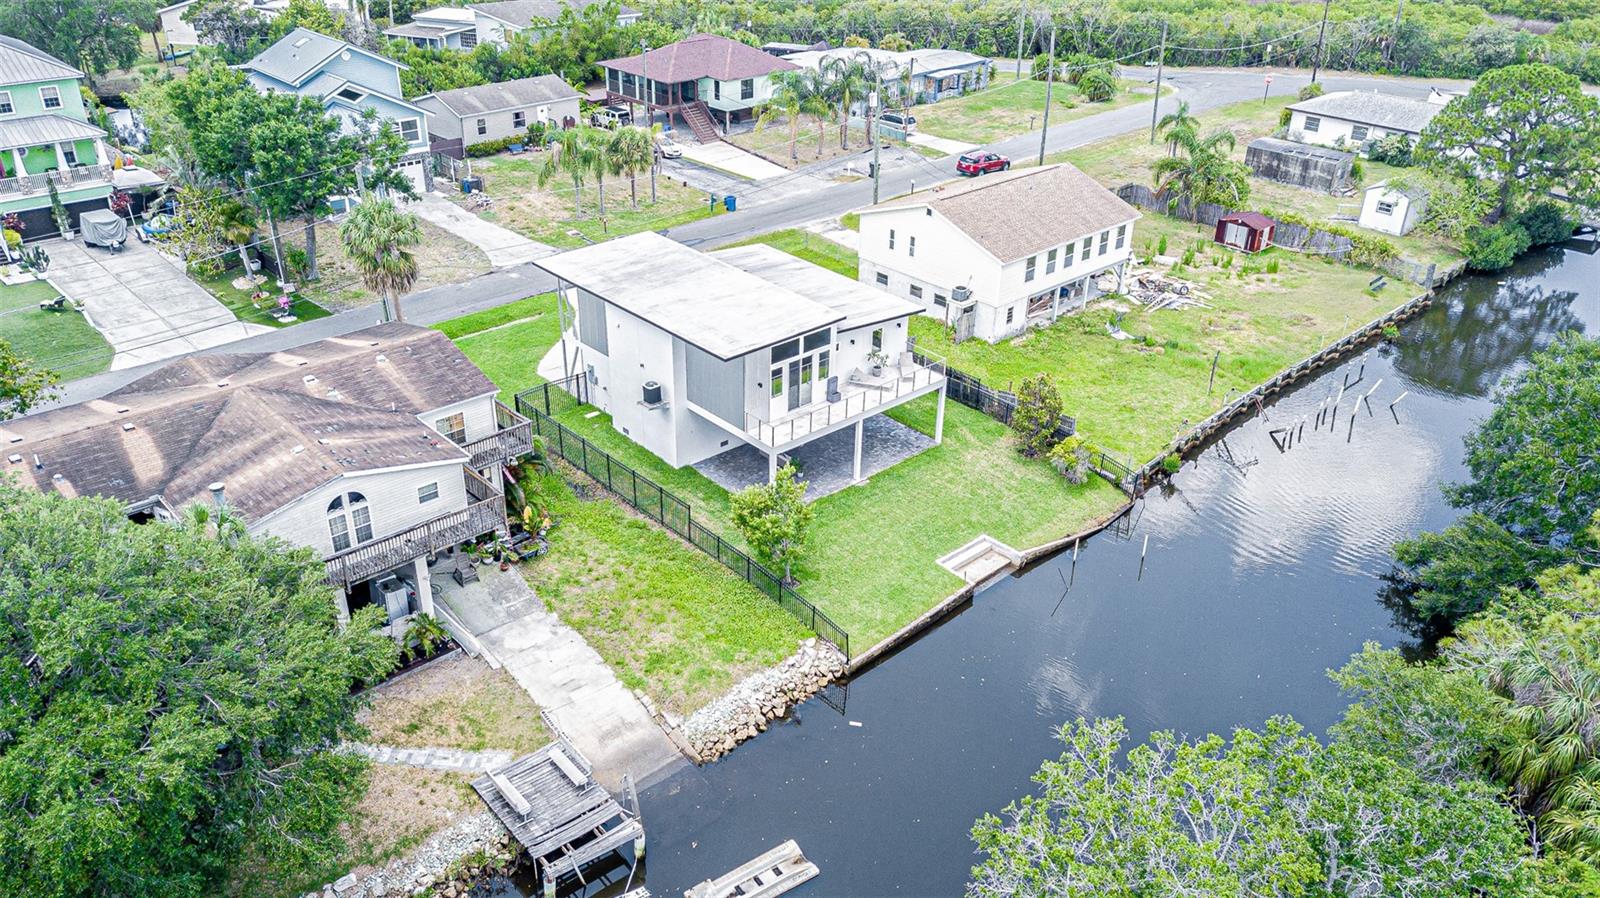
13, 240
1041, 66
1545, 223
295, 262
1395, 149
1358, 172
1037, 416
1493, 247
1070, 458
1172, 462
774, 519
1390, 332
1097, 85
1309, 92
1365, 248
1074, 65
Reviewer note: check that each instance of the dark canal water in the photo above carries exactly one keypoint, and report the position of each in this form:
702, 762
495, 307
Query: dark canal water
1264, 570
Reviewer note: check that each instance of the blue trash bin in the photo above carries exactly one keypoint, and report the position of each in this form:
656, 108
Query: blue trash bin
729, 203
466, 185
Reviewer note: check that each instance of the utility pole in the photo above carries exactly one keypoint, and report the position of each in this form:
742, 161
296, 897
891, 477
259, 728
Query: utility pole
1049, 84
1022, 19
872, 109
1388, 55
1161, 64
1322, 35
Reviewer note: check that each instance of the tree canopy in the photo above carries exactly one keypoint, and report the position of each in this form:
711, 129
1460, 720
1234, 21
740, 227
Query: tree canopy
94, 35
774, 518
23, 384
173, 694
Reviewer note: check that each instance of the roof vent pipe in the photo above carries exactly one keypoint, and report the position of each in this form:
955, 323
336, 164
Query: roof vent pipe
217, 495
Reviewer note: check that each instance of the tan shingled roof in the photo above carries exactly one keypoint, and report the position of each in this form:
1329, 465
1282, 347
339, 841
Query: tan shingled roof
1020, 212
252, 421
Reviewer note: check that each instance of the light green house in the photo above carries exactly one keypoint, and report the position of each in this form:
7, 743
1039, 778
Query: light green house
45, 135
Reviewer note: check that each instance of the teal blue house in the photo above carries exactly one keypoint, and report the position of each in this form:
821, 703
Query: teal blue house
348, 81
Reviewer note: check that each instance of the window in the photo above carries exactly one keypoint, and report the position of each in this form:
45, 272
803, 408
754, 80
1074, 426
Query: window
716, 90
1122, 235
351, 94
1010, 314
787, 350
1088, 245
483, 126
877, 339
747, 88
1105, 240
1066, 254
891, 238
1313, 123
916, 292
1029, 269
349, 516
1050, 261
5, 103
411, 129
777, 382
69, 152
1385, 208
50, 97
940, 301
816, 340
519, 119
883, 279
1358, 132
912, 246
453, 428
427, 492
469, 39
822, 365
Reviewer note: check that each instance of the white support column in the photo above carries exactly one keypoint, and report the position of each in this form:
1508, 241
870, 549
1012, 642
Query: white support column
341, 605
772, 466
860, 426
424, 586
61, 158
938, 420
100, 157
16, 157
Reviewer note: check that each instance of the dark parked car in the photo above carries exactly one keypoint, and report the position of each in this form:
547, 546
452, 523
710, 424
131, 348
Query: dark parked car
981, 163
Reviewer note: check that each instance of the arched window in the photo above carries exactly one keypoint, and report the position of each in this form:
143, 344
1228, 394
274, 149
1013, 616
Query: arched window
349, 514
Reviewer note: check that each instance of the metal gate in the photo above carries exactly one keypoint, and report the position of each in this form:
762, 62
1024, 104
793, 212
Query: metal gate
966, 323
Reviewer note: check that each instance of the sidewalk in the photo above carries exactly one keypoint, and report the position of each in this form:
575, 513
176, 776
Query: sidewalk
503, 246
569, 680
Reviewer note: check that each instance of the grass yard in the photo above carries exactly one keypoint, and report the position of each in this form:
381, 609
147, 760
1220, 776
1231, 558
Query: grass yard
457, 702
62, 341
814, 248
508, 341
771, 142
442, 258
1012, 107
243, 306
547, 214
669, 619
1119, 160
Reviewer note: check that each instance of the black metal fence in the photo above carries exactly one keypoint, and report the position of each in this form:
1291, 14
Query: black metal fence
543, 402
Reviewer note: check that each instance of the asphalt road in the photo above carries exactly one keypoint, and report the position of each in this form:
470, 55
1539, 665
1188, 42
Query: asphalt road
1202, 88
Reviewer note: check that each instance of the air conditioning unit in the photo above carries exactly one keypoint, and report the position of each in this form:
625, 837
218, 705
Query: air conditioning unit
652, 393
961, 295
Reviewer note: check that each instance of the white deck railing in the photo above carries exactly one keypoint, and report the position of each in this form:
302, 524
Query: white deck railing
859, 396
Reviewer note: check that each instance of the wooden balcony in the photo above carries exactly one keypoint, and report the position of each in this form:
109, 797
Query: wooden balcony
485, 511
513, 437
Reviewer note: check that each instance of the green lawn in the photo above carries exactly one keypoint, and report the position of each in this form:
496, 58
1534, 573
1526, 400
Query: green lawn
1017, 107
667, 617
240, 303
549, 215
62, 341
814, 248
1129, 157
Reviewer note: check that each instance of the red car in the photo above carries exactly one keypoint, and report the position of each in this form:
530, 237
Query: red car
981, 163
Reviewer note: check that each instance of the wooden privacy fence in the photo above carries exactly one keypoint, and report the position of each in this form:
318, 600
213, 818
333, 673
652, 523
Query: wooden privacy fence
645, 496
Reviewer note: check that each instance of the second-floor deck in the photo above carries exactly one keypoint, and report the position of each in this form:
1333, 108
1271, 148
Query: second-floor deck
513, 437
485, 512
860, 394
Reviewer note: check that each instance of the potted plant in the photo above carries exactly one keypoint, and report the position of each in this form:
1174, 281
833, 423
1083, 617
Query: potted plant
876, 360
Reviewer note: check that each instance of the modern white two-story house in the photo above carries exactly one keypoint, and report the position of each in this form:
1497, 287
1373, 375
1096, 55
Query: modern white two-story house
693, 353
379, 450
996, 254
348, 81
465, 27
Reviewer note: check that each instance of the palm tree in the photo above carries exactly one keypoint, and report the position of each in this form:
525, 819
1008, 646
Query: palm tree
848, 81
376, 236
1203, 174
237, 221
788, 96
1176, 126
597, 151
816, 101
569, 155
632, 150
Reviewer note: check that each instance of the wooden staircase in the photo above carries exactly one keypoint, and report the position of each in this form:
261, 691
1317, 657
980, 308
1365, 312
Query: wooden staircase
699, 119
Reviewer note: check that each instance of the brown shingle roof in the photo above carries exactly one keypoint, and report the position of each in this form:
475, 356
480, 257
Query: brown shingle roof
702, 56
271, 426
1016, 213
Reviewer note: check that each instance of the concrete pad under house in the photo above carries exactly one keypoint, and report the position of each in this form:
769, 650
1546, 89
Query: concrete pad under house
827, 463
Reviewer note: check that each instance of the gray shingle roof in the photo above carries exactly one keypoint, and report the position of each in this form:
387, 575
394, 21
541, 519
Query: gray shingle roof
295, 56
1371, 108
1014, 214
524, 13
40, 129
252, 421
505, 95
21, 63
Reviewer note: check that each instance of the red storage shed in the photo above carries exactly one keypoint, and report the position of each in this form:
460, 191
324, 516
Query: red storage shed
1249, 231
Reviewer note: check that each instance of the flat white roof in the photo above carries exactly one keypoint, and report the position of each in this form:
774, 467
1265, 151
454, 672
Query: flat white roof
705, 301
860, 304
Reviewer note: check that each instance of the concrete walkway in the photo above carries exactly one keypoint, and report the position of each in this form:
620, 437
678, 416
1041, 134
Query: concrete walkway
724, 156
563, 675
942, 144
503, 246
142, 302
433, 758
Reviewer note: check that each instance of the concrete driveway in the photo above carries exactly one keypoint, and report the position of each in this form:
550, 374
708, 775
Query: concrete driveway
142, 302
724, 156
503, 246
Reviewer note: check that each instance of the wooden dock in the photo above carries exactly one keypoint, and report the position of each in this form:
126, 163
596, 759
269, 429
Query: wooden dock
773, 873
552, 805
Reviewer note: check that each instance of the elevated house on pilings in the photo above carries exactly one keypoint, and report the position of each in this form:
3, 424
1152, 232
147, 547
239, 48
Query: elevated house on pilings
704, 80
381, 450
